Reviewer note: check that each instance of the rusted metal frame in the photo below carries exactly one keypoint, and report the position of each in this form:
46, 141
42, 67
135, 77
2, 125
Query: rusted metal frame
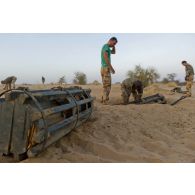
55, 92
56, 109
90, 102
77, 107
37, 105
67, 121
35, 150
42, 93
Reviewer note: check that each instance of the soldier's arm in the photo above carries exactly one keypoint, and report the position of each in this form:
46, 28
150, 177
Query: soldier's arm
108, 62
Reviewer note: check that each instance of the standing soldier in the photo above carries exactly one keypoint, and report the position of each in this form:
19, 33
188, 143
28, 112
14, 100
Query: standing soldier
189, 77
43, 80
8, 81
106, 68
129, 86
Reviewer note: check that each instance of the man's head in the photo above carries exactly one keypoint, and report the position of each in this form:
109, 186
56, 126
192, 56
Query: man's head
184, 63
138, 86
112, 42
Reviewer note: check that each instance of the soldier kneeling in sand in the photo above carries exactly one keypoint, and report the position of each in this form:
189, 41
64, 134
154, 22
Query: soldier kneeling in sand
8, 81
129, 86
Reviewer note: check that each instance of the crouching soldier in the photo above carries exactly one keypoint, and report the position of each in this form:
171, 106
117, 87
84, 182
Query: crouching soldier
189, 77
8, 82
129, 86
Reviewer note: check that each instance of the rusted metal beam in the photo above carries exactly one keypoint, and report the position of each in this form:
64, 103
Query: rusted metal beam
178, 100
157, 98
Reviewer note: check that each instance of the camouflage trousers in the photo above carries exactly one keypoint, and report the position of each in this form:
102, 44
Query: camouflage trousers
126, 92
189, 83
106, 80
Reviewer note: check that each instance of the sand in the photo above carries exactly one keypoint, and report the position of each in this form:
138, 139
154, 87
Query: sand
130, 133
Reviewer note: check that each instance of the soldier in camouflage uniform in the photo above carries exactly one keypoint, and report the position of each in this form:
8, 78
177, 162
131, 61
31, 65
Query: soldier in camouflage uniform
8, 81
43, 80
129, 86
106, 68
189, 77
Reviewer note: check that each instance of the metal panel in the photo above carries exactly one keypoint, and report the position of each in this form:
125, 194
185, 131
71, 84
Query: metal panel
20, 130
6, 117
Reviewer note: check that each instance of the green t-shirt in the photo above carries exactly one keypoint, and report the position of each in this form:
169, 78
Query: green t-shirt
107, 49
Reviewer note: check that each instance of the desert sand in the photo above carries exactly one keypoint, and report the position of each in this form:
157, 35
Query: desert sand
130, 133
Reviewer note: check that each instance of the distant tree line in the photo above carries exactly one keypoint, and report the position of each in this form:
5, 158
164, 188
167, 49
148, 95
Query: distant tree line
170, 78
147, 75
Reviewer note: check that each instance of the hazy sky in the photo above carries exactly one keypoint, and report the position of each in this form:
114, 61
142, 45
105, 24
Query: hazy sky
29, 56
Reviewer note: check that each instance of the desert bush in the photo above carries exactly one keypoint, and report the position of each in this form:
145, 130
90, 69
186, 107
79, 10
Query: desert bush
147, 76
80, 78
165, 80
171, 77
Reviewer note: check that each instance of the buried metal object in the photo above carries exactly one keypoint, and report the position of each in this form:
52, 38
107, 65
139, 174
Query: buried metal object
31, 120
178, 100
178, 90
157, 98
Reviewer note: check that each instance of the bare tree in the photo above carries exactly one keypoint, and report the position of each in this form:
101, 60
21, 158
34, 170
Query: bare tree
62, 80
171, 77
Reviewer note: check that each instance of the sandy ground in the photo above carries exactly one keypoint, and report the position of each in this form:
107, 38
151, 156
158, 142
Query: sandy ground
130, 133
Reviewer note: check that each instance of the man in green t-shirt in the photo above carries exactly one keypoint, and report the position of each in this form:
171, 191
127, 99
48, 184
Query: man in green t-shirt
106, 67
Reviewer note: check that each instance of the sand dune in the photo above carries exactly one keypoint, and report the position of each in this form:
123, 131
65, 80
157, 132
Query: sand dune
131, 133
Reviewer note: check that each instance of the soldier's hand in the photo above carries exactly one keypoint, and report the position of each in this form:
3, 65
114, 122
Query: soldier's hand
112, 71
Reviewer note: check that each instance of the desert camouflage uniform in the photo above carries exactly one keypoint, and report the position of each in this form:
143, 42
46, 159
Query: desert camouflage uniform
8, 81
189, 79
106, 80
127, 89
